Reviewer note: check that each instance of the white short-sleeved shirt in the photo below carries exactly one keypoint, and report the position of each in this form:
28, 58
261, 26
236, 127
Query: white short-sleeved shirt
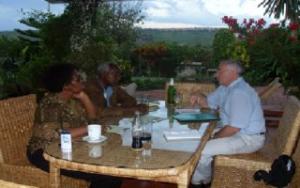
239, 106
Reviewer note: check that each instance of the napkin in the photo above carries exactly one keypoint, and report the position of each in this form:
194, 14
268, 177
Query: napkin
190, 134
182, 135
116, 129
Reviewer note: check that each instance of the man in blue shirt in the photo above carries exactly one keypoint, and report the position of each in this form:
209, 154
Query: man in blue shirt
242, 122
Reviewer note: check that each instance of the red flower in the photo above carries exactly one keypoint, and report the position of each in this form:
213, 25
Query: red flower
261, 22
231, 22
274, 25
293, 26
292, 38
249, 24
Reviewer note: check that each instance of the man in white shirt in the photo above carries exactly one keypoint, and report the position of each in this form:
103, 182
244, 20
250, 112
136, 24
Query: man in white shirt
243, 124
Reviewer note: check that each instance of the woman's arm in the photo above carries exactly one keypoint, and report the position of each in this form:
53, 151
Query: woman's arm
79, 131
87, 103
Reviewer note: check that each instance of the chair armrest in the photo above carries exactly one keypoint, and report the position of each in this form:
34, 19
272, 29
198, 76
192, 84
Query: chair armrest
241, 163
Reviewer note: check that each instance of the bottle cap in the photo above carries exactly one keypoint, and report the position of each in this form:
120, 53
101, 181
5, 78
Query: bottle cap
171, 81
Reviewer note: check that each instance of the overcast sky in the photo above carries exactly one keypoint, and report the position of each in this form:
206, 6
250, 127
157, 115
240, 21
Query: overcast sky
159, 13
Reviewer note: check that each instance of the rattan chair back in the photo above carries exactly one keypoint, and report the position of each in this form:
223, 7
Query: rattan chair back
16, 121
296, 156
289, 127
7, 184
186, 89
270, 89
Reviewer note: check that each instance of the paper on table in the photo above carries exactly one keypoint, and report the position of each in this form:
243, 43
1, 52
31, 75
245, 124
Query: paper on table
185, 134
116, 129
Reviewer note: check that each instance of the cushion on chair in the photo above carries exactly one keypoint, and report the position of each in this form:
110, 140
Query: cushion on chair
130, 89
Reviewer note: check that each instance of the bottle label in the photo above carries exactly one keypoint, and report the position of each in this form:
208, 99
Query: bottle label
171, 94
66, 142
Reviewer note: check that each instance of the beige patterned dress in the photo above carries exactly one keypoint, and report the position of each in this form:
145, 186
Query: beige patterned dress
52, 115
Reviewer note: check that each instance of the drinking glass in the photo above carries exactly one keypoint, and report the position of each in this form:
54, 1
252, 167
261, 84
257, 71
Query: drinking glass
147, 137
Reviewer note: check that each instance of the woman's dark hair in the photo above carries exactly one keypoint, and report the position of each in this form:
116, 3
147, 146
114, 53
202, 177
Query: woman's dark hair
58, 75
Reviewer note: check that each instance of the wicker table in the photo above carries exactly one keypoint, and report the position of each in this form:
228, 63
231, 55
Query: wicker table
172, 162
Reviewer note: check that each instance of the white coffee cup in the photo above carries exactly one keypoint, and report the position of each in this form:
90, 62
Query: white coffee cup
94, 131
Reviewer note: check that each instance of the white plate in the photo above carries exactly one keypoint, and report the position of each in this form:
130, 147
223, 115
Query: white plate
101, 139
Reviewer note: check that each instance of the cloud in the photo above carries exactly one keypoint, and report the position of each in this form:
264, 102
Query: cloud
11, 12
6, 11
160, 13
200, 12
150, 24
234, 7
158, 9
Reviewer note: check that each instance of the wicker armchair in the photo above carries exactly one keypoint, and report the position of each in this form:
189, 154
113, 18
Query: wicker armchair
7, 184
16, 121
188, 88
273, 112
270, 89
241, 175
237, 170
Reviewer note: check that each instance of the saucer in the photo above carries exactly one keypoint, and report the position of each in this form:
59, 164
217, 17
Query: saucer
87, 139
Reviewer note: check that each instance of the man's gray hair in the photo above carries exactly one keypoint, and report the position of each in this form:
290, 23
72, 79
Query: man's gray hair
234, 64
103, 68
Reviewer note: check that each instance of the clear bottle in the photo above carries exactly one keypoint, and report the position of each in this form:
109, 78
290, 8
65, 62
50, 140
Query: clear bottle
137, 132
171, 92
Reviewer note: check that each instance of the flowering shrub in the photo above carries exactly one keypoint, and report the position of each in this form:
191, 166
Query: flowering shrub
245, 33
266, 52
231, 22
249, 27
293, 27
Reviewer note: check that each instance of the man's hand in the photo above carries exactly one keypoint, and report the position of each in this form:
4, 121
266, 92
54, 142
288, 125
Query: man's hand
199, 99
193, 100
202, 101
81, 96
87, 103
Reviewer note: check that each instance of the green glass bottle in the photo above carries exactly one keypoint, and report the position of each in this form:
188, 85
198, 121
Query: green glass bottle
171, 93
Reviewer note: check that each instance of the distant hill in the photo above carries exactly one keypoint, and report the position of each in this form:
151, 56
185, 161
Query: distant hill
9, 34
190, 36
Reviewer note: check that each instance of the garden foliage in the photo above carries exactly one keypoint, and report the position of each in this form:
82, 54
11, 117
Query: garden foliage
265, 52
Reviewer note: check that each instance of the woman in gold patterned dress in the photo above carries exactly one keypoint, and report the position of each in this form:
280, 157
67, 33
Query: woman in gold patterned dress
64, 106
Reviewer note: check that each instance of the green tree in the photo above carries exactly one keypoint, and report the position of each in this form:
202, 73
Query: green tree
224, 39
274, 55
112, 35
52, 40
289, 8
